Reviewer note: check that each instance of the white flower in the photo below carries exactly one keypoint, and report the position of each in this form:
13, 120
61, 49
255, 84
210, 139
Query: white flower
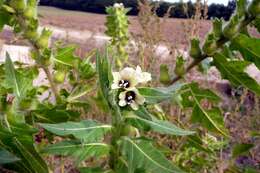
126, 79
131, 98
143, 77
118, 5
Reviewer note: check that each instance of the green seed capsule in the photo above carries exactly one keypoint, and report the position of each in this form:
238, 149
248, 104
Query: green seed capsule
29, 13
59, 76
43, 41
254, 8
18, 5
164, 74
195, 51
210, 45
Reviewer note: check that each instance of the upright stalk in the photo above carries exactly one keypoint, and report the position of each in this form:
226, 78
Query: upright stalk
117, 125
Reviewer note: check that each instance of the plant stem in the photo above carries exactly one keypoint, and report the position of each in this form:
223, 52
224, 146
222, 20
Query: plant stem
51, 81
46, 70
117, 123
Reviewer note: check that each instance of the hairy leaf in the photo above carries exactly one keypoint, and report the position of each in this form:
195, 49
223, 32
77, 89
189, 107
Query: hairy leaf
234, 72
22, 144
80, 151
241, 149
211, 119
104, 73
160, 126
7, 157
157, 95
87, 130
20, 84
66, 56
248, 47
141, 154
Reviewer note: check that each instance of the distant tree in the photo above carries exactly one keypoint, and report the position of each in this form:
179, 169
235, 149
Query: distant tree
178, 10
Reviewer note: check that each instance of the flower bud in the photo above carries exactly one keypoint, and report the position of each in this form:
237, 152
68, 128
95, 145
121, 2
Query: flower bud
43, 41
195, 51
231, 29
179, 68
164, 74
59, 76
210, 45
30, 13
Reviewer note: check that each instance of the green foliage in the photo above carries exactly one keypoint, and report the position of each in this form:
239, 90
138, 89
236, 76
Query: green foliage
209, 118
7, 157
80, 151
163, 127
86, 130
234, 71
123, 144
241, 149
248, 47
142, 154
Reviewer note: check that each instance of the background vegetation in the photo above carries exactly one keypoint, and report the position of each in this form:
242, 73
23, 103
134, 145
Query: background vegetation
178, 10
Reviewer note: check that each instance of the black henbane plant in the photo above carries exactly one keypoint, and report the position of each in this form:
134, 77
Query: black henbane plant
122, 145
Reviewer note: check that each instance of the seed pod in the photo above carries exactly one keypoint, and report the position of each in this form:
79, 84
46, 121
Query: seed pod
30, 12
254, 8
31, 34
241, 8
18, 5
217, 27
231, 29
129, 130
195, 50
210, 45
164, 74
43, 41
179, 68
87, 70
59, 76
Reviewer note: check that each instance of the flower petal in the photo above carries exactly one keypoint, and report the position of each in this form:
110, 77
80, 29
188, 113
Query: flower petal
134, 106
122, 103
116, 76
139, 99
114, 86
122, 95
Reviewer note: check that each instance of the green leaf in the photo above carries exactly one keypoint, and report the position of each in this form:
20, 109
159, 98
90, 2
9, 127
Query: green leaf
4, 19
20, 84
104, 73
153, 96
87, 130
78, 92
248, 47
80, 151
141, 154
159, 126
22, 144
53, 114
7, 157
241, 149
92, 170
211, 119
157, 95
234, 72
66, 56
